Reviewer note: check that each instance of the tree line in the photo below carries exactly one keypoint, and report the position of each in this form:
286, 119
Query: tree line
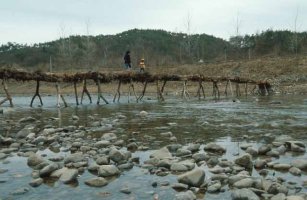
157, 47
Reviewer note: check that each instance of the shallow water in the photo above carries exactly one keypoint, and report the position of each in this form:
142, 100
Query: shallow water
254, 120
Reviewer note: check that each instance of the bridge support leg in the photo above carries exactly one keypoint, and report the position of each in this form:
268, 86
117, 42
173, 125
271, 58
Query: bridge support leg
117, 92
76, 93
99, 93
36, 94
8, 96
129, 93
185, 94
85, 91
226, 87
163, 86
59, 95
238, 92
159, 93
143, 92
200, 89
216, 92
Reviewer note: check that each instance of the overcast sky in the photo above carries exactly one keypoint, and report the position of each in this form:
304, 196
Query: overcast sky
33, 21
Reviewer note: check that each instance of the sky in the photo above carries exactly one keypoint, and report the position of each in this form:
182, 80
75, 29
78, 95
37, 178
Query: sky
35, 21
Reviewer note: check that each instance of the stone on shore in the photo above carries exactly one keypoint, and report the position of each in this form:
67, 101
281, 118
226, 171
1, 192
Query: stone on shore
244, 194
20, 191
108, 170
34, 160
215, 148
192, 178
117, 156
245, 161
161, 154
46, 171
279, 196
96, 182
295, 171
69, 175
300, 163
244, 183
188, 195
36, 182
73, 158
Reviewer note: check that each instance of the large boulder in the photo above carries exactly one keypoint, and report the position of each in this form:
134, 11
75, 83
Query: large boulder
300, 163
23, 133
109, 137
34, 160
192, 178
46, 171
214, 148
245, 161
58, 173
102, 144
96, 182
117, 156
161, 153
244, 183
188, 195
73, 158
108, 170
295, 146
262, 150
69, 175
244, 194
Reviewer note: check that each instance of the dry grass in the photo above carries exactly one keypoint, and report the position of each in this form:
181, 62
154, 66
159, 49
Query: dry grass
287, 73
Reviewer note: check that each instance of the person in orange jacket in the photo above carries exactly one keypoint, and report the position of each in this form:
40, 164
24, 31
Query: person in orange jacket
142, 65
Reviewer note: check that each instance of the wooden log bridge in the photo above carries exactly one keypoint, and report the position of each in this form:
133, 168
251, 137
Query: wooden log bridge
127, 77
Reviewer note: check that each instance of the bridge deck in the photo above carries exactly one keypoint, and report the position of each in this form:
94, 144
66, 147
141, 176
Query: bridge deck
126, 77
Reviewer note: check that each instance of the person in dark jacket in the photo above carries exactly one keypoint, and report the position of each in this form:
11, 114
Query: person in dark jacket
127, 60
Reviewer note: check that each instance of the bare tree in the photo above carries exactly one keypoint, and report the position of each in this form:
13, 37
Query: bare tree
295, 33
188, 26
89, 47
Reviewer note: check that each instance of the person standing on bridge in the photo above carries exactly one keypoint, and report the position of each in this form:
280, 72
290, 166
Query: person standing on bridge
127, 60
142, 65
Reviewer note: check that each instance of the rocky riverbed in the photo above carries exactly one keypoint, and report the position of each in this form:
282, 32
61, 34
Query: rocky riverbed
150, 151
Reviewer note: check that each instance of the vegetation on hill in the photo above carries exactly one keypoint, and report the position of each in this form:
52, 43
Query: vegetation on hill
158, 47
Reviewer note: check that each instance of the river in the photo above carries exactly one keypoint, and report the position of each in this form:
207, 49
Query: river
252, 120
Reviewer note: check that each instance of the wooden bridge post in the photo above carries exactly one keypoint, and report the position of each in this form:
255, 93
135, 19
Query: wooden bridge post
143, 92
76, 93
118, 91
36, 94
163, 86
216, 92
230, 86
238, 92
8, 96
84, 90
129, 92
226, 87
185, 94
200, 89
159, 93
59, 95
99, 92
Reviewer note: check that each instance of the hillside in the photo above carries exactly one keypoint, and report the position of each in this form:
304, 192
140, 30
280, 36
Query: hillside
158, 47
